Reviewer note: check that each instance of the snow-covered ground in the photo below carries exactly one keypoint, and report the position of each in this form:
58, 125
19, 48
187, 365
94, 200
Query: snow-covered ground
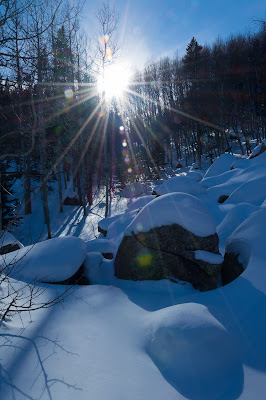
117, 339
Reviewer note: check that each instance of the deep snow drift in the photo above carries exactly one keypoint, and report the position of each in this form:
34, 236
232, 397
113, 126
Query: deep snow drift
119, 339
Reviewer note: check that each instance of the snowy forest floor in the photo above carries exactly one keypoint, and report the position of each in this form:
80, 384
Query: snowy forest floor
116, 339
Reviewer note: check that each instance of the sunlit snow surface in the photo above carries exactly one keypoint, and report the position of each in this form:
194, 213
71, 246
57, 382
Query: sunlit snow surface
119, 339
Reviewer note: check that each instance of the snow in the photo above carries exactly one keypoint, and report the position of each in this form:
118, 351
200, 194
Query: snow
208, 257
136, 189
196, 175
180, 183
235, 216
53, 260
220, 165
100, 246
140, 202
174, 208
253, 191
7, 238
118, 339
188, 344
257, 149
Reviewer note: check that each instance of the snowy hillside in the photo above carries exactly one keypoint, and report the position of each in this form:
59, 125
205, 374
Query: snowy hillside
136, 340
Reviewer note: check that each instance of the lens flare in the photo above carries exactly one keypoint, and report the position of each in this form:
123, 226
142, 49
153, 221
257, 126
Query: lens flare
68, 93
129, 171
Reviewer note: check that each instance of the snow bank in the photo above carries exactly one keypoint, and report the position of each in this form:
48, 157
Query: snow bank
220, 165
53, 260
174, 208
193, 351
180, 183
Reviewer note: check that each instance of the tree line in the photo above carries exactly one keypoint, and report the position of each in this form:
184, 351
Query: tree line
197, 104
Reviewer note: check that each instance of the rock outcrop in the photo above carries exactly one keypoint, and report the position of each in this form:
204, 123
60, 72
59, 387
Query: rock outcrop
168, 251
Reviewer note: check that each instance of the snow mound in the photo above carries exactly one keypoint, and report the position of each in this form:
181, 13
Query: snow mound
248, 240
135, 189
53, 260
101, 246
253, 191
196, 175
104, 223
140, 202
174, 208
98, 270
193, 351
7, 238
180, 183
228, 182
258, 149
233, 219
116, 229
220, 165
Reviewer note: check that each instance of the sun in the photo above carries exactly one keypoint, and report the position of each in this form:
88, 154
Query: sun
116, 80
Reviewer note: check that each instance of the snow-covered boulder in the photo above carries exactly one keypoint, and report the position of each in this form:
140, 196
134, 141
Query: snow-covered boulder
253, 191
72, 199
8, 243
233, 219
180, 183
136, 189
193, 351
196, 175
162, 239
220, 165
106, 247
258, 149
247, 245
54, 260
140, 202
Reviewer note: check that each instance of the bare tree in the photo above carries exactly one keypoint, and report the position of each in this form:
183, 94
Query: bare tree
107, 47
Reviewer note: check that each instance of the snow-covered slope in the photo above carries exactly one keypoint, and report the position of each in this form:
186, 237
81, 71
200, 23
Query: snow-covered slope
119, 339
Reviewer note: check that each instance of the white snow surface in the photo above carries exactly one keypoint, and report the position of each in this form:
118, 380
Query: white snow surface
206, 256
220, 165
140, 202
257, 149
119, 339
52, 260
179, 208
180, 183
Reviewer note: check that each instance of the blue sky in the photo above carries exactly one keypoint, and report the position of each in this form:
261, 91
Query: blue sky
156, 28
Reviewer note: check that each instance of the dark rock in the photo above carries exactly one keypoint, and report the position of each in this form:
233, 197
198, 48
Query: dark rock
222, 198
78, 278
231, 268
103, 231
9, 248
165, 252
108, 256
179, 165
71, 201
